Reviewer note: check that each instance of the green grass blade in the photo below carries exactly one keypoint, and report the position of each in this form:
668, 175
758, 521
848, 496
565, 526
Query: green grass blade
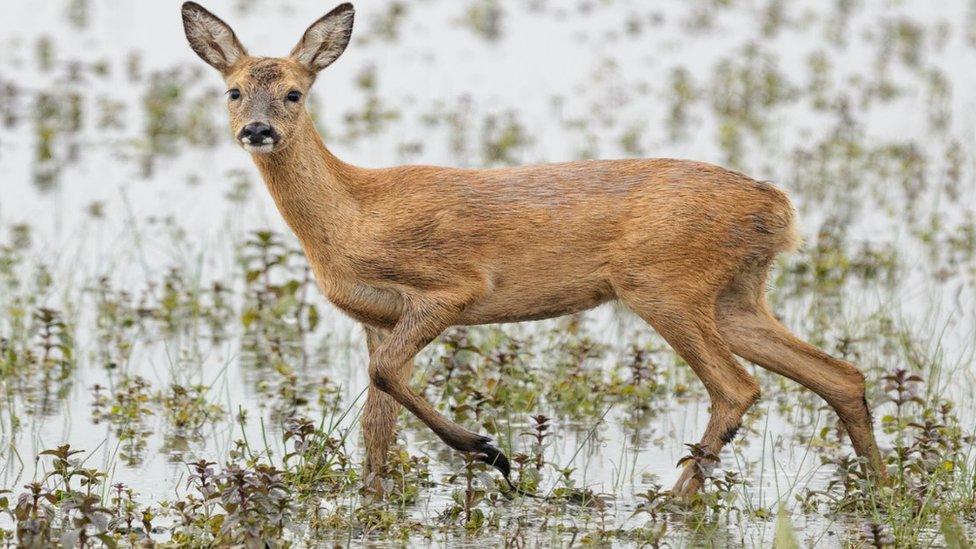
785, 537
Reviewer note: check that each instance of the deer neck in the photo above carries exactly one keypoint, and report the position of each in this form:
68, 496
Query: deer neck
312, 188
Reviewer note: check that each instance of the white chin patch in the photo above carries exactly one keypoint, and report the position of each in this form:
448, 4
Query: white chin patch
259, 149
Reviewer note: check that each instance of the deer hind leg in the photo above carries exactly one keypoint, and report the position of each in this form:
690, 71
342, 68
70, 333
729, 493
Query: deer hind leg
389, 369
379, 420
690, 330
745, 322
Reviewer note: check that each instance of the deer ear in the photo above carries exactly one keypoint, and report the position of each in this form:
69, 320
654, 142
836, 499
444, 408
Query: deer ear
212, 39
326, 39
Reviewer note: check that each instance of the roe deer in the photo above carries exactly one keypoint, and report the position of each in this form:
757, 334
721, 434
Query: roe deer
413, 250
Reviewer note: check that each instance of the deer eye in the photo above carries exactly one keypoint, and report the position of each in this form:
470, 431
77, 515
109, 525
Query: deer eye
234, 94
294, 96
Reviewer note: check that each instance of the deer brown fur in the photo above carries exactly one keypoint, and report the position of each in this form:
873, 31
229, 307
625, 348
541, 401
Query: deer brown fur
413, 250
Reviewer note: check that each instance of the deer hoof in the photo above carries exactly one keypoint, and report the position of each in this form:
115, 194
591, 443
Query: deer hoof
488, 453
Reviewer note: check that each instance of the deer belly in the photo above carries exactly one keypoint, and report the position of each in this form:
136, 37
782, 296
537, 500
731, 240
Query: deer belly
538, 301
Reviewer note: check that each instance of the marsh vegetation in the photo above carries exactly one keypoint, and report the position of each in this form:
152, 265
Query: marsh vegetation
169, 374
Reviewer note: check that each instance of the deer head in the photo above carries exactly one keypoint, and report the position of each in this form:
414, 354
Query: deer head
266, 95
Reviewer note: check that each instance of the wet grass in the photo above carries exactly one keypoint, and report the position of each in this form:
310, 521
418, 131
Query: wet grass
163, 385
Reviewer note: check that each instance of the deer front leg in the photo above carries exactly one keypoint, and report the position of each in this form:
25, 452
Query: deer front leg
390, 364
379, 420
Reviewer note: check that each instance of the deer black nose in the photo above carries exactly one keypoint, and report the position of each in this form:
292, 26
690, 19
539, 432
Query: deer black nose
258, 133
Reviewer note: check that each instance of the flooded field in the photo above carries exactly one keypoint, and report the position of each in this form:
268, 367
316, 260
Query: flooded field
169, 374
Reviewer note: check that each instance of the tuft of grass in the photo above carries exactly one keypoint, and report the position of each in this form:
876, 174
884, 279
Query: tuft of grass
785, 535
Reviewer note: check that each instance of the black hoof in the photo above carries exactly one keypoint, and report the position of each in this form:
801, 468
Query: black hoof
487, 453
